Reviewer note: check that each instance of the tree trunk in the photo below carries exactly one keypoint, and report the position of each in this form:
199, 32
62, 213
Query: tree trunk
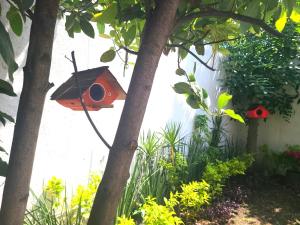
252, 136
35, 87
156, 33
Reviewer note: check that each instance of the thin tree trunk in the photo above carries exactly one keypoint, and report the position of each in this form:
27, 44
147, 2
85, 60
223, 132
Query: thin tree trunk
35, 87
252, 136
156, 33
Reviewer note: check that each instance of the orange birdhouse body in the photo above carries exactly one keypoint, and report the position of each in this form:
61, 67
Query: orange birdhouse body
259, 112
99, 89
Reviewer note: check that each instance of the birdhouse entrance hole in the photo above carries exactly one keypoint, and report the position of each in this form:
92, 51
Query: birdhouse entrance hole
98, 88
259, 112
97, 92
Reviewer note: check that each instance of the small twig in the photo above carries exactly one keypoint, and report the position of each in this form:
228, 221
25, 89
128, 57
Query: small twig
83, 105
210, 12
129, 50
220, 41
193, 54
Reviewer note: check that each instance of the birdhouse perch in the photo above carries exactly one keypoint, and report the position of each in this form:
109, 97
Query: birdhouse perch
99, 89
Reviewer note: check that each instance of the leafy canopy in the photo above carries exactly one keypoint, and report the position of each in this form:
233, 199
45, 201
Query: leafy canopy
265, 70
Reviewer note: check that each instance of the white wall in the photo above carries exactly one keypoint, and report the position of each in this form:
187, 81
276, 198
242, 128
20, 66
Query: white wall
67, 146
276, 132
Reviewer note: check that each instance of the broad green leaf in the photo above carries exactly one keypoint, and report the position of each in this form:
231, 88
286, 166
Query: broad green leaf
182, 53
252, 10
7, 52
180, 72
76, 26
87, 28
15, 20
6, 88
108, 15
3, 168
193, 101
200, 49
26, 4
295, 16
233, 115
183, 88
271, 4
4, 117
280, 23
108, 56
70, 20
223, 100
129, 35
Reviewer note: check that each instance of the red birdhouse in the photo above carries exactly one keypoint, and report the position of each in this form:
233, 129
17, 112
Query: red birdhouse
259, 112
99, 89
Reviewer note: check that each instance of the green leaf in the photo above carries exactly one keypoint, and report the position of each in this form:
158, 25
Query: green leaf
233, 115
252, 10
204, 92
87, 28
3, 168
7, 52
26, 4
183, 88
200, 49
3, 150
6, 88
182, 53
109, 14
180, 72
193, 101
129, 35
295, 16
108, 56
280, 23
4, 117
70, 20
15, 20
223, 100
192, 77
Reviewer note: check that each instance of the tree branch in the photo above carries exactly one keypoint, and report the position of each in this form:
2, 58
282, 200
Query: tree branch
129, 51
220, 41
192, 53
224, 14
83, 105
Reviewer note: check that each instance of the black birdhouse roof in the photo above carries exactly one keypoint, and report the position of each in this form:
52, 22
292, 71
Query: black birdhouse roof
86, 78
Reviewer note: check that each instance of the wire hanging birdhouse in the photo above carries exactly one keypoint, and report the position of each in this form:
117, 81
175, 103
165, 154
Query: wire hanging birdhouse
259, 112
98, 88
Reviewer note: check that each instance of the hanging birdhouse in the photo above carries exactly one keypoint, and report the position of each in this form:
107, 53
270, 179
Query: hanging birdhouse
259, 112
99, 89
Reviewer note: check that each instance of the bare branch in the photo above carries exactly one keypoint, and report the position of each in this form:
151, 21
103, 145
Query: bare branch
224, 14
193, 54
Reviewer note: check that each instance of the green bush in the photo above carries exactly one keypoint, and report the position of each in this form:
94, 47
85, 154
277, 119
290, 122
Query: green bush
154, 214
216, 174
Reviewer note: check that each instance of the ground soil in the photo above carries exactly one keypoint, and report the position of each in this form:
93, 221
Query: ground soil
269, 201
